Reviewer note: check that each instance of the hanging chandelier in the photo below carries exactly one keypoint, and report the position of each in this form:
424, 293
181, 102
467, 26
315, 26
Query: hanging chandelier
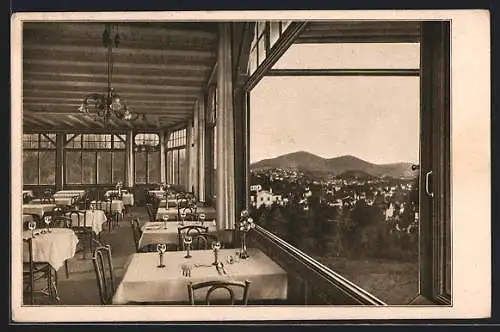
106, 106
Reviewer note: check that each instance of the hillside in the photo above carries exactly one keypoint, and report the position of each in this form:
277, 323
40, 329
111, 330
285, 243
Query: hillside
311, 163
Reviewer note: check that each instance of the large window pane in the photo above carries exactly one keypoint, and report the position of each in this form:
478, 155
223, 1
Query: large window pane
88, 167
175, 167
104, 167
30, 167
182, 166
118, 166
336, 178
140, 167
47, 167
352, 55
73, 167
154, 167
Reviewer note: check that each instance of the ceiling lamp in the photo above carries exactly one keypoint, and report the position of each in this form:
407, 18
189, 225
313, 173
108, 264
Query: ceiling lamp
105, 106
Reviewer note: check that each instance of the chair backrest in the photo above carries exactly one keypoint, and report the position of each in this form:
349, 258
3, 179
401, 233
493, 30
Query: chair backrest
214, 285
192, 230
203, 241
103, 266
81, 217
151, 215
28, 262
136, 232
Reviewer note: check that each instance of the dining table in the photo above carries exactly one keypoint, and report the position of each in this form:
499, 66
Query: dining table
68, 201
116, 205
38, 209
173, 212
157, 193
155, 232
145, 282
54, 247
69, 193
127, 198
28, 193
93, 219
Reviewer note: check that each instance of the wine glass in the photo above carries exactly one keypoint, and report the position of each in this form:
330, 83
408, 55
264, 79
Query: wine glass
47, 220
183, 216
187, 243
161, 248
165, 219
215, 247
31, 227
202, 218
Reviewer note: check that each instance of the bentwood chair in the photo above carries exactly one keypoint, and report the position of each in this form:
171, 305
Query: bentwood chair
83, 231
214, 285
203, 241
150, 211
136, 232
191, 230
103, 266
34, 271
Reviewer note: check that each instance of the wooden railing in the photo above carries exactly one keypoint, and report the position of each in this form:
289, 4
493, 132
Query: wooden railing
309, 282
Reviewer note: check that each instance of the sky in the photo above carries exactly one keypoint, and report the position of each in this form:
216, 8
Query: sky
373, 118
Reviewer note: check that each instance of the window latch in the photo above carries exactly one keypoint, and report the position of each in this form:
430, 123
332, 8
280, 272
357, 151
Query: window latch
427, 185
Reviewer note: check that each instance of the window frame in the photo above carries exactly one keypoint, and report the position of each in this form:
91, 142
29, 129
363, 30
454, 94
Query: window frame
39, 149
177, 141
432, 266
70, 137
148, 150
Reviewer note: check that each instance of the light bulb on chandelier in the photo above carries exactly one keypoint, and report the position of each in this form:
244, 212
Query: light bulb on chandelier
104, 106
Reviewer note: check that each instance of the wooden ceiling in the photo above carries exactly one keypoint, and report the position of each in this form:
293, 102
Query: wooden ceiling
160, 70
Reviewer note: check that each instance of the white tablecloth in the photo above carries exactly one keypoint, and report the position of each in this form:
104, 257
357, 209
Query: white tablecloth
168, 203
69, 193
58, 200
28, 192
94, 219
54, 247
157, 193
127, 198
154, 232
145, 282
116, 205
39, 209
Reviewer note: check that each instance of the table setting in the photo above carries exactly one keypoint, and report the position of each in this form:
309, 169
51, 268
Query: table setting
162, 276
166, 231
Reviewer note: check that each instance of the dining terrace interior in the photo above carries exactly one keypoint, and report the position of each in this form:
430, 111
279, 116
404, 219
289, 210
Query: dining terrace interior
143, 199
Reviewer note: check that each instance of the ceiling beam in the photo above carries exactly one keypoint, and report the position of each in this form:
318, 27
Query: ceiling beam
86, 76
119, 65
72, 109
171, 96
56, 46
127, 30
137, 58
130, 101
122, 79
36, 84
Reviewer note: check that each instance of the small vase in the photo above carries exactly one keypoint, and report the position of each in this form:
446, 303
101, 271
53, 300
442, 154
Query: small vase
243, 251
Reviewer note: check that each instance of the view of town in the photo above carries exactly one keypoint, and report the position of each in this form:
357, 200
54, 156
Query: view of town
361, 221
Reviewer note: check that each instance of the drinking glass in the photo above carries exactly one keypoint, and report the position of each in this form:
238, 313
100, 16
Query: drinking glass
161, 248
183, 216
187, 243
31, 227
165, 219
215, 247
47, 220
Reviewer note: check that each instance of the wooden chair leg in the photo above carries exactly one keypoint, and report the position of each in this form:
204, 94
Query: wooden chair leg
66, 268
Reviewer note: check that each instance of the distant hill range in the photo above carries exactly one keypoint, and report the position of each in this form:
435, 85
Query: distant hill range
348, 166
